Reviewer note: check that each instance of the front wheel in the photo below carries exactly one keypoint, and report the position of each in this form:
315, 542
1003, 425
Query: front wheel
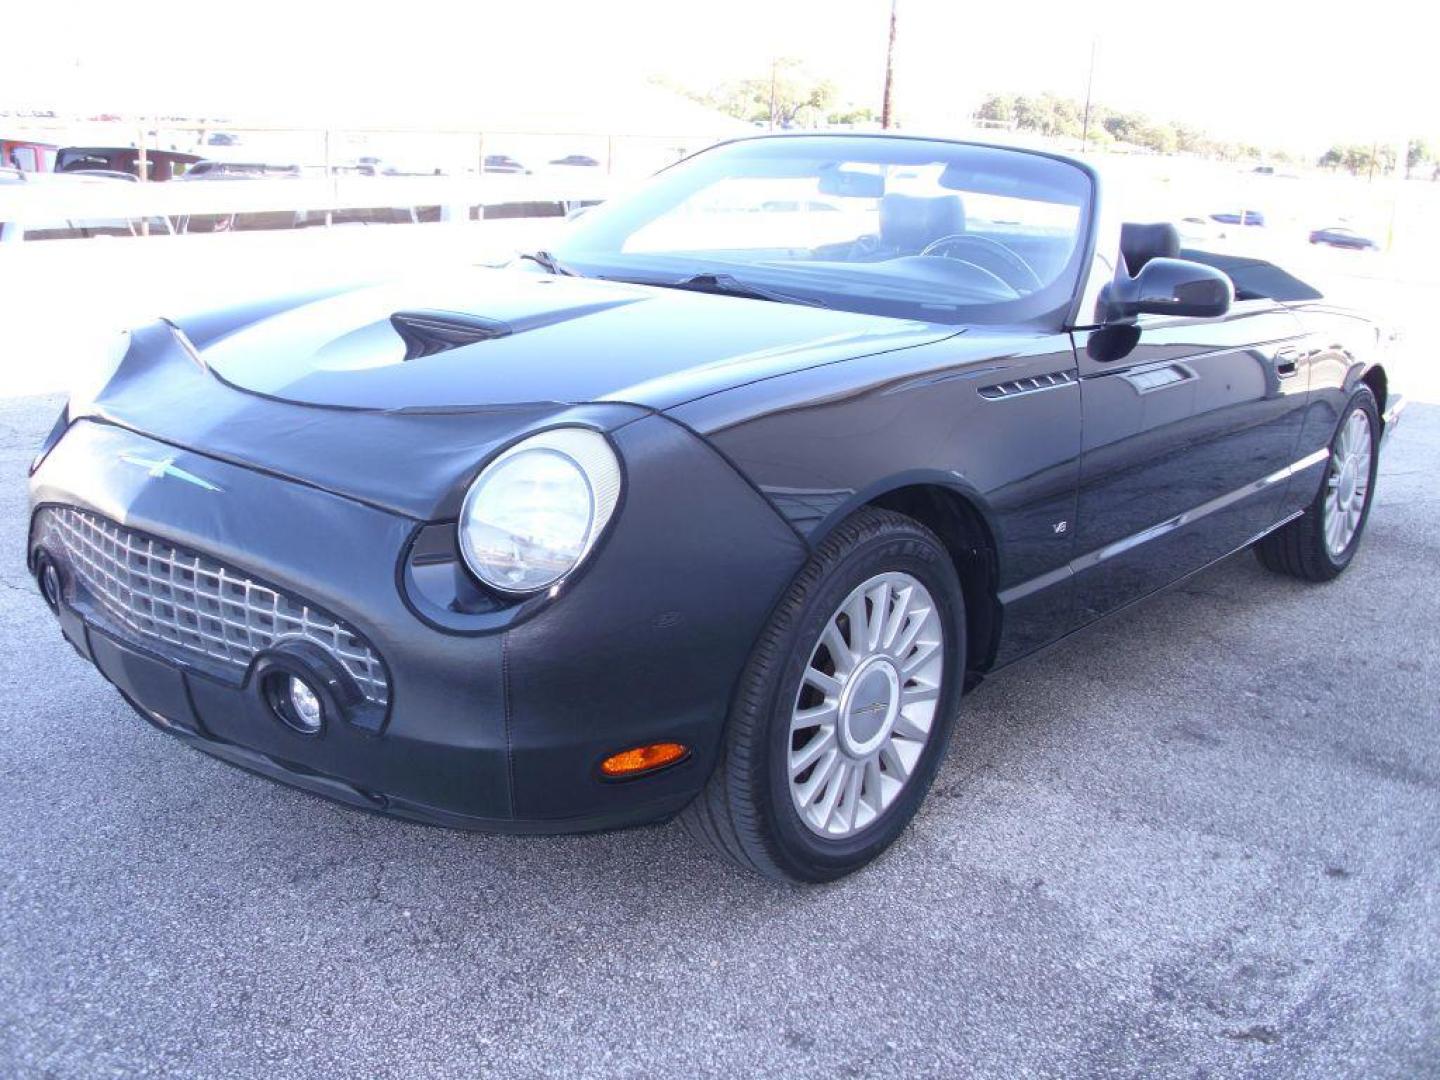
1320, 544
843, 712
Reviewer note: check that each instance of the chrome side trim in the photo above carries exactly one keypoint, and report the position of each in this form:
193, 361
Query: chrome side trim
1278, 525
1036, 584
1309, 461
1092, 559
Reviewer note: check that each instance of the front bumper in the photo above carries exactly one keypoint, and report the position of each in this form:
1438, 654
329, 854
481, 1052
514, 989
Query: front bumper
1391, 417
500, 727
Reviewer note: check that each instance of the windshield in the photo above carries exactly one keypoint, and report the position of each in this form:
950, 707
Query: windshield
911, 228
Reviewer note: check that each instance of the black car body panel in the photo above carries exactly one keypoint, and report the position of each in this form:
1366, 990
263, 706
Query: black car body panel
494, 727
822, 443
322, 445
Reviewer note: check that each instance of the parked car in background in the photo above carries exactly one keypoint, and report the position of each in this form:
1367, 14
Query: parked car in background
582, 160
26, 155
1240, 217
1200, 231
503, 163
160, 164
679, 520
235, 170
24, 222
225, 172
105, 174
1342, 236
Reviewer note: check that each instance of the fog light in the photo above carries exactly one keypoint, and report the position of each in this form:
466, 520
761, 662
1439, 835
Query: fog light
641, 759
294, 701
305, 708
50, 584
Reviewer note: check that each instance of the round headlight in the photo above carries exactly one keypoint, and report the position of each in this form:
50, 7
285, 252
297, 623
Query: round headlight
533, 514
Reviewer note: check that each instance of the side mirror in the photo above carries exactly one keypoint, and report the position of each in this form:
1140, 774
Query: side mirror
1170, 287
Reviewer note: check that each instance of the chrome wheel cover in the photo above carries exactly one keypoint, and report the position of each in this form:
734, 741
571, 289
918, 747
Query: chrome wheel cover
1347, 484
866, 705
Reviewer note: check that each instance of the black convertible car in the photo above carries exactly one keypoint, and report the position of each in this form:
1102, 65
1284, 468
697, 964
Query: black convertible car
714, 510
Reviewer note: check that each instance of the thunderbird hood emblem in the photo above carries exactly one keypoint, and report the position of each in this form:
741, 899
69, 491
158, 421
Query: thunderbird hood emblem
166, 466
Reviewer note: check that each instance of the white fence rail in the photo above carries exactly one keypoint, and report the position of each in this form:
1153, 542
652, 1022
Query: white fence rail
45, 203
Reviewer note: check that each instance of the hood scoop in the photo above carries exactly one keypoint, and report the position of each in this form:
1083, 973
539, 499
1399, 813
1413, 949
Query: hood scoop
486, 339
427, 332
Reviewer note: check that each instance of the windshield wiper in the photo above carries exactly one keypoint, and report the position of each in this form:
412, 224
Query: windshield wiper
728, 285
550, 264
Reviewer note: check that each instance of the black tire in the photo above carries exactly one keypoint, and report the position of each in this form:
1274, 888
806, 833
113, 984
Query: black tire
1299, 548
745, 813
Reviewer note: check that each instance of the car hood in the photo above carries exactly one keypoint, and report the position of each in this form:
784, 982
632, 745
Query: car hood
394, 395
487, 338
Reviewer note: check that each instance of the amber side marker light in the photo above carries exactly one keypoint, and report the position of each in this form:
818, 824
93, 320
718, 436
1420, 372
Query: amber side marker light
642, 759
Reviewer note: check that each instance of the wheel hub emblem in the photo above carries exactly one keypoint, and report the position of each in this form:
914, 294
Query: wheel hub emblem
867, 708
1347, 483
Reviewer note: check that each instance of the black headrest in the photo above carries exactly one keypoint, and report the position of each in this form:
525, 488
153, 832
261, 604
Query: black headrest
1141, 243
909, 222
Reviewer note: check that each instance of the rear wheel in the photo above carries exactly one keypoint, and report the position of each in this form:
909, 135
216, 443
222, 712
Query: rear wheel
1320, 544
843, 711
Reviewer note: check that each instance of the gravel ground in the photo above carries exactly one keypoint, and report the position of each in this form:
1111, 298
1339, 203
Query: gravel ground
1201, 838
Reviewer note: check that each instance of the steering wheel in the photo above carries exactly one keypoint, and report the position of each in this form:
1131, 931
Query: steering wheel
1000, 260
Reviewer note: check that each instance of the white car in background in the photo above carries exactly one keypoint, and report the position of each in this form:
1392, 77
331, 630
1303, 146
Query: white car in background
1198, 230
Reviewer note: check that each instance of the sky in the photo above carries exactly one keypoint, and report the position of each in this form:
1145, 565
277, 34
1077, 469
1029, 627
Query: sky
1282, 74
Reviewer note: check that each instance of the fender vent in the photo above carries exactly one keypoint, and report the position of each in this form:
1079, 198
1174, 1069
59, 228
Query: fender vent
426, 333
1032, 385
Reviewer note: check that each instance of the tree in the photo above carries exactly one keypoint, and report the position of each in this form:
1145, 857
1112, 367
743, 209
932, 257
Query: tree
1359, 159
779, 98
997, 108
789, 93
1189, 140
1029, 113
851, 115
1417, 152
1065, 116
1125, 127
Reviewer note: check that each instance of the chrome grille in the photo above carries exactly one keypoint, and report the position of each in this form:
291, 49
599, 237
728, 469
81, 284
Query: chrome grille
161, 593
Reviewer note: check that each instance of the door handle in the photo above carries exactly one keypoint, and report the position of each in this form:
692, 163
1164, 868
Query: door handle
1287, 362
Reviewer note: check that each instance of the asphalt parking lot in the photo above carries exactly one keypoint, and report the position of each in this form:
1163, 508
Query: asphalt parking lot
1202, 838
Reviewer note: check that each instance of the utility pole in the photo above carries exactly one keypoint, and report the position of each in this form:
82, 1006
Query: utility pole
142, 171
887, 108
1089, 86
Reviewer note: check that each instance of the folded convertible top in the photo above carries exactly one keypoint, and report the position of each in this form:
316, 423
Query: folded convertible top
1255, 279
